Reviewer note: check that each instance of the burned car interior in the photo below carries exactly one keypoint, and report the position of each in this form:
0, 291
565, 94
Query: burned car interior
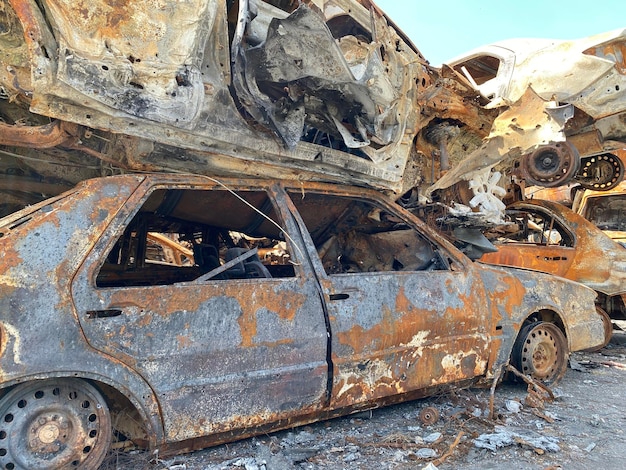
352, 235
214, 225
236, 235
607, 213
533, 227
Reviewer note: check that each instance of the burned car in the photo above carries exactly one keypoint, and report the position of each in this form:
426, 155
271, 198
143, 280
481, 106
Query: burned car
605, 209
304, 301
551, 238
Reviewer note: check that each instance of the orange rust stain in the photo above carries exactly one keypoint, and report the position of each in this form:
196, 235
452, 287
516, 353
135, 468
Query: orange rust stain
400, 329
144, 321
10, 259
284, 304
275, 343
511, 296
615, 51
248, 328
449, 339
403, 304
540, 258
183, 341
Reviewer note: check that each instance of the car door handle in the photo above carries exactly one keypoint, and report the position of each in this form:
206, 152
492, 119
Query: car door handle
107, 313
552, 258
339, 296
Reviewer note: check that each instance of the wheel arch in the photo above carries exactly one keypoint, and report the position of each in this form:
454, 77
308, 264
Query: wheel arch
547, 315
125, 405
541, 348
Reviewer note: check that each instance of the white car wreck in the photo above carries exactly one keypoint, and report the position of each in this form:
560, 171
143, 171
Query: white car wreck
317, 90
584, 79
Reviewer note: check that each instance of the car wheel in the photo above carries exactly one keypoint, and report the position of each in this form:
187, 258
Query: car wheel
53, 424
600, 172
540, 352
551, 165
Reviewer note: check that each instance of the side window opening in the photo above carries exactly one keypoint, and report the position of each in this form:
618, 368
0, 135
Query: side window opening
535, 228
607, 212
209, 235
353, 235
481, 69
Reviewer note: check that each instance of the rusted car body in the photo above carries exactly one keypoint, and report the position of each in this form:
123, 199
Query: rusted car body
606, 209
322, 90
551, 238
305, 301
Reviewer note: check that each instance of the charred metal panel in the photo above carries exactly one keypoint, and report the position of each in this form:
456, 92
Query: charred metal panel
403, 332
42, 248
518, 294
549, 259
403, 315
142, 58
161, 72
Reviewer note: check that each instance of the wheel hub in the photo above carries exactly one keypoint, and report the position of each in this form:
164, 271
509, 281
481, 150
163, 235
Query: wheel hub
551, 165
540, 351
542, 358
49, 433
53, 424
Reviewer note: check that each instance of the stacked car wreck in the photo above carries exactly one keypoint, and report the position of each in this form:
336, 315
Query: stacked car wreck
209, 278
317, 90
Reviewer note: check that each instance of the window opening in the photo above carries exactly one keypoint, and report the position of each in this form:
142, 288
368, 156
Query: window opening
353, 235
185, 235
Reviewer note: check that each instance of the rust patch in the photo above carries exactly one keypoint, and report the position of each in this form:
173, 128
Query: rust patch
615, 52
183, 341
510, 293
10, 259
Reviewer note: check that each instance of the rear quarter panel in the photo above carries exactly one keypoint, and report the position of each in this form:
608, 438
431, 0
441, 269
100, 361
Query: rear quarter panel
515, 294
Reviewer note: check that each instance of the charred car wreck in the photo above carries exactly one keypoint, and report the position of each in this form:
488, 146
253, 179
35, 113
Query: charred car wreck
288, 303
320, 90
548, 237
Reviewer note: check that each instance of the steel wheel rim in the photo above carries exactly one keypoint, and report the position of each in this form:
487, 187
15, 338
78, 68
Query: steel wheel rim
53, 424
543, 353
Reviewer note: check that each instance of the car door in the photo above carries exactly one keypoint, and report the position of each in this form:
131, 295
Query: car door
538, 241
223, 351
404, 312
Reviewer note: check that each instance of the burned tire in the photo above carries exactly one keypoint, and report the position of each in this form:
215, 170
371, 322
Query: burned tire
540, 352
54, 424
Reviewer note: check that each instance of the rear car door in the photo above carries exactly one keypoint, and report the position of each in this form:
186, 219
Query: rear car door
230, 336
538, 240
405, 314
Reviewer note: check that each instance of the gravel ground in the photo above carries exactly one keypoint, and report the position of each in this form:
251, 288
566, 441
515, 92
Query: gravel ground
581, 428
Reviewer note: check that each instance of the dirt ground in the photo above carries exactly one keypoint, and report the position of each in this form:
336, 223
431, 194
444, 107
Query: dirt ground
581, 428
